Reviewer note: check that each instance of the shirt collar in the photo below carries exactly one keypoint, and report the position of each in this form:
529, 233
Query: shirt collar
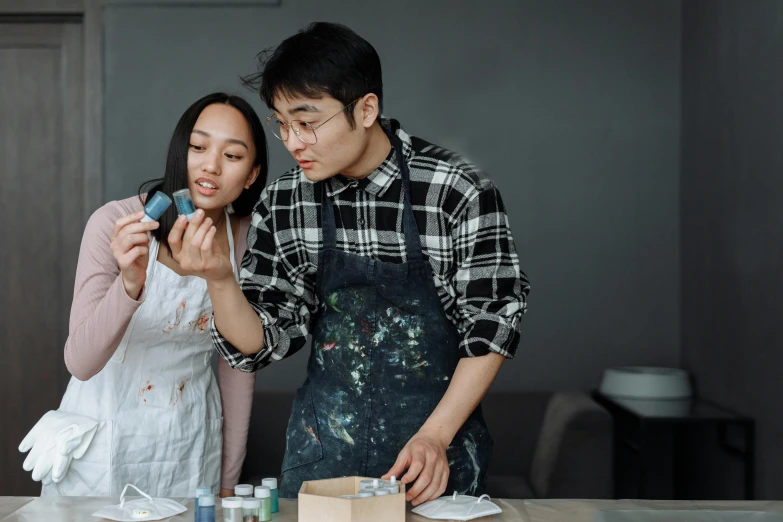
380, 179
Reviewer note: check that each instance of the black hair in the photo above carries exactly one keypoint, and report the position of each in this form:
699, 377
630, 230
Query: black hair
175, 176
322, 59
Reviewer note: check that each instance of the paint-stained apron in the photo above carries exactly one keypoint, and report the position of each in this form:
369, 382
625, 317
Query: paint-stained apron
157, 399
383, 355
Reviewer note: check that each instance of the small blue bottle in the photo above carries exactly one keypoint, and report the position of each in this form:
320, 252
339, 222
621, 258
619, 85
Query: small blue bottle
203, 490
205, 512
155, 207
184, 202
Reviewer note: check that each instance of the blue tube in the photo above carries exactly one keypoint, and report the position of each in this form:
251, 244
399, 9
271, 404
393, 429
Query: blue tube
184, 202
156, 206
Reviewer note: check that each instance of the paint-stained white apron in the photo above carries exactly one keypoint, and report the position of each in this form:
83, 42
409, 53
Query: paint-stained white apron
157, 399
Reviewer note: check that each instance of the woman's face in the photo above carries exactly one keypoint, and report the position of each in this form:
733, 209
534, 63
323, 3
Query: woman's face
220, 157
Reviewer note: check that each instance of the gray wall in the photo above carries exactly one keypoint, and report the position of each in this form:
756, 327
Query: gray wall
571, 107
732, 222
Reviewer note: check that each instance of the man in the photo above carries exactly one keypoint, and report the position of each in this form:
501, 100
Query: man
394, 253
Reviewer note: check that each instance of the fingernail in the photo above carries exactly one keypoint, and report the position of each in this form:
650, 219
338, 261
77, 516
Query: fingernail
199, 212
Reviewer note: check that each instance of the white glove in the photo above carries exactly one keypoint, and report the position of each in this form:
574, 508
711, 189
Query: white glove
72, 443
56, 439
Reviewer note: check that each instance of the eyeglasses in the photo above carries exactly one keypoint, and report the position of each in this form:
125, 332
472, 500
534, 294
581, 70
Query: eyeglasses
303, 130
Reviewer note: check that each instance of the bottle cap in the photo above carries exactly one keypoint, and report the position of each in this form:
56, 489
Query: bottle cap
156, 206
251, 503
232, 503
243, 490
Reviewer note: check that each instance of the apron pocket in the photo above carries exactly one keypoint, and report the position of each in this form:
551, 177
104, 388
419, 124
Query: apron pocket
303, 445
89, 476
159, 451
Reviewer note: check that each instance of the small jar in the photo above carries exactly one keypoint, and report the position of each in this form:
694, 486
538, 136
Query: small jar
370, 483
243, 491
392, 485
264, 495
251, 509
271, 483
232, 509
200, 491
365, 493
205, 512
378, 492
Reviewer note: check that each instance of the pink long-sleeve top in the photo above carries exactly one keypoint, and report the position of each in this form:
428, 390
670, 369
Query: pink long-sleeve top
102, 310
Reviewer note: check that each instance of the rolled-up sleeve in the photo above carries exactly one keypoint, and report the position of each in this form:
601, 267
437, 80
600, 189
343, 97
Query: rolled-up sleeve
491, 288
281, 293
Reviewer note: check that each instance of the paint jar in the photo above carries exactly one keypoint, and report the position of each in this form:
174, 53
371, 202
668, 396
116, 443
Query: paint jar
184, 202
200, 491
348, 496
392, 485
243, 491
271, 483
264, 495
370, 483
378, 492
232, 509
205, 508
365, 493
251, 509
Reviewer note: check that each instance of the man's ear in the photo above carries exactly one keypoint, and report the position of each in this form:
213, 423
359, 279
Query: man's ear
370, 109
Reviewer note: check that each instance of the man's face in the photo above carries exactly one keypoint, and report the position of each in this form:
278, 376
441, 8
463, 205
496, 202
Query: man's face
337, 146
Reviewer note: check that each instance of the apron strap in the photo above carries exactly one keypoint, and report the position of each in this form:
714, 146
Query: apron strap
410, 230
153, 256
232, 257
327, 218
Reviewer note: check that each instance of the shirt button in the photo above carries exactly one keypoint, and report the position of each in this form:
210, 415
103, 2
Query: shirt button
354, 184
361, 221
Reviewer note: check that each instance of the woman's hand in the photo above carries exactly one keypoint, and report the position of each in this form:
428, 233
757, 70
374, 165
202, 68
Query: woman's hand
130, 247
192, 246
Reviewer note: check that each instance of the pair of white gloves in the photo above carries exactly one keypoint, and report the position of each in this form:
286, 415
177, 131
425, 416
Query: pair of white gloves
57, 439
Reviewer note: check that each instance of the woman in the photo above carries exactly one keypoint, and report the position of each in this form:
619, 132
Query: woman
139, 347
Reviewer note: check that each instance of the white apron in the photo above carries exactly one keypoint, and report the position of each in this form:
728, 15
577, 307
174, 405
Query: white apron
157, 399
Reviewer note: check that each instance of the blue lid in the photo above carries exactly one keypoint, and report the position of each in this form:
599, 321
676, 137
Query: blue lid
157, 205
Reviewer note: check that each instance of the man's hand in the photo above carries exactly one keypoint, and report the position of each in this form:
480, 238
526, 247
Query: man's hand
424, 458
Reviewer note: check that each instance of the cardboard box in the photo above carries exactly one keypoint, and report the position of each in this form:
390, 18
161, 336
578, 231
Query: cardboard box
319, 501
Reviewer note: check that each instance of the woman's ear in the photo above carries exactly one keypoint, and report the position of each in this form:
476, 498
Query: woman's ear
253, 176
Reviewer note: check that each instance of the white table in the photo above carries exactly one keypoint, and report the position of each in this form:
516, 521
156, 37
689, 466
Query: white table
66, 509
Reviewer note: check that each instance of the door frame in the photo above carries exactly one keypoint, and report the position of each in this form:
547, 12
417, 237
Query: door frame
88, 13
